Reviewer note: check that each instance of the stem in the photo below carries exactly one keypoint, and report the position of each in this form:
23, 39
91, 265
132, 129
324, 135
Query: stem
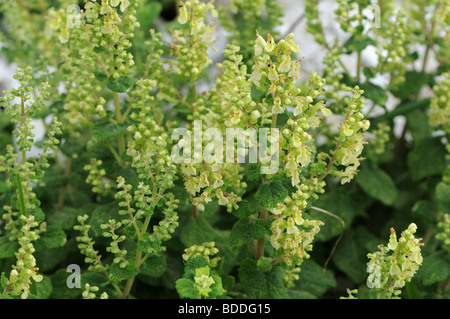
119, 119
340, 236
22, 118
425, 58
259, 249
22, 207
194, 211
130, 281
138, 259
358, 67
194, 92
274, 121
333, 158
358, 59
114, 153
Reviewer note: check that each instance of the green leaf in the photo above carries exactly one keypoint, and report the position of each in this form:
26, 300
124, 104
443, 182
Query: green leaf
435, 268
72, 146
106, 130
148, 12
121, 85
181, 108
299, 294
245, 231
411, 290
442, 194
269, 195
148, 245
244, 210
101, 215
339, 203
101, 76
424, 212
411, 86
193, 263
314, 280
427, 158
374, 92
217, 287
42, 289
4, 282
154, 266
369, 72
196, 231
65, 218
351, 255
377, 184
261, 285
253, 171
51, 258
38, 214
118, 274
54, 237
403, 109
3, 187
357, 44
186, 289
99, 280
229, 282
7, 247
419, 128
130, 231
60, 289
264, 264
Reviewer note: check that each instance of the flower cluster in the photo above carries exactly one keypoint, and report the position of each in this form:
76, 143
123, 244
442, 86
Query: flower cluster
102, 37
145, 201
290, 276
314, 24
397, 263
110, 232
292, 235
351, 139
25, 268
242, 18
165, 228
89, 292
191, 43
395, 42
439, 105
203, 281
96, 177
86, 245
444, 232
206, 250
378, 145
275, 72
23, 172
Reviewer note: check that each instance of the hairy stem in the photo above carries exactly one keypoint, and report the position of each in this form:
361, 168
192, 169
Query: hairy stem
139, 259
259, 248
119, 119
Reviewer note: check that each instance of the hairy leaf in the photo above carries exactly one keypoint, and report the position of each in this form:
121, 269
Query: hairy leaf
269, 195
